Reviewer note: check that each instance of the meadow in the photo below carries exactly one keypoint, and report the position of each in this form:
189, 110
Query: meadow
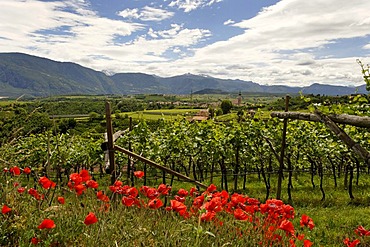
48, 199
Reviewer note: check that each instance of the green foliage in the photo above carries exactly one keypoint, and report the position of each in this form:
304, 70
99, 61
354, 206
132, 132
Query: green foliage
365, 70
226, 106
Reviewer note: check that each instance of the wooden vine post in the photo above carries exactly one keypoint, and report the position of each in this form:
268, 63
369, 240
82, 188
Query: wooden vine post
110, 146
281, 158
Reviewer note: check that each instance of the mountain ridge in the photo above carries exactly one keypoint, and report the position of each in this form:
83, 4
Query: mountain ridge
36, 76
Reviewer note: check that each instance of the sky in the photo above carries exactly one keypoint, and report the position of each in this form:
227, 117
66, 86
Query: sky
270, 42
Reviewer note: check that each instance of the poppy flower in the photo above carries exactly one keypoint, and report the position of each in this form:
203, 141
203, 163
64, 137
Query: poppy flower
132, 192
102, 197
287, 226
35, 240
90, 219
178, 206
163, 189
155, 203
128, 201
193, 191
149, 192
75, 178
139, 174
15, 184
211, 188
21, 190
15, 171
92, 184
35, 194
239, 214
46, 183
27, 170
208, 216
348, 243
182, 193
61, 200
361, 231
5, 209
80, 189
179, 198
307, 243
307, 221
84, 174
46, 224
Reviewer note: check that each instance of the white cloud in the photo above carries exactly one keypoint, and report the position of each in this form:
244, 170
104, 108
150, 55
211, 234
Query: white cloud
146, 14
289, 27
283, 44
228, 22
190, 5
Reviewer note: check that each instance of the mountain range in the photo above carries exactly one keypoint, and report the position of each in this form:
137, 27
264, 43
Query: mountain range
22, 74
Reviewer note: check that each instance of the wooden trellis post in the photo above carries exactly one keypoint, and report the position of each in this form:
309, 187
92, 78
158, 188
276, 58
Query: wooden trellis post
110, 147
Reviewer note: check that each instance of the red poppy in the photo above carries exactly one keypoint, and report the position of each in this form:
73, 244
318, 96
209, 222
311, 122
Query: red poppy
179, 198
198, 201
27, 170
252, 201
15, 184
21, 190
307, 243
208, 216
35, 194
84, 174
132, 192
102, 197
46, 224
348, 243
163, 189
211, 188
307, 221
46, 183
75, 178
182, 193
139, 174
80, 189
15, 171
90, 219
361, 231
128, 201
61, 200
92, 184
239, 214
193, 191
214, 205
5, 209
178, 206
149, 192
155, 203
35, 240
287, 226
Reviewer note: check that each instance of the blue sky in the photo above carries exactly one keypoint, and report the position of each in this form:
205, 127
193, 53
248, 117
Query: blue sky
289, 42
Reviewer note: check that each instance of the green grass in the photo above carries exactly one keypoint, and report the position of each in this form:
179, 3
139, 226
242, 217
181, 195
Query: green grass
335, 218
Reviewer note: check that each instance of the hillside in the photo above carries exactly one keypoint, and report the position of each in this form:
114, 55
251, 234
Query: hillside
36, 76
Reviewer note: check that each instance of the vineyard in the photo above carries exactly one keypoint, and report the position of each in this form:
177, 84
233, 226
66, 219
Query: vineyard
245, 157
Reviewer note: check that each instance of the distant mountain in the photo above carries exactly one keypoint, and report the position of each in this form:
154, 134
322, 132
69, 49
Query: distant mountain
35, 76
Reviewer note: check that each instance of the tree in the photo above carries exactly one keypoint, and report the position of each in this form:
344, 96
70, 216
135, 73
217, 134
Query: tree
365, 73
226, 106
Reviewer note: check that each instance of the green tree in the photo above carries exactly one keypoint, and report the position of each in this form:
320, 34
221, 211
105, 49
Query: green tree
226, 106
365, 73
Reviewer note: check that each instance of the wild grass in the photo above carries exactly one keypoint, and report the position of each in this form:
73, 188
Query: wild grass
335, 218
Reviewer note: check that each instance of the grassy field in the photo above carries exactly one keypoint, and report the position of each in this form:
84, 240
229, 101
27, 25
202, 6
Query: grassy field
335, 218
168, 114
